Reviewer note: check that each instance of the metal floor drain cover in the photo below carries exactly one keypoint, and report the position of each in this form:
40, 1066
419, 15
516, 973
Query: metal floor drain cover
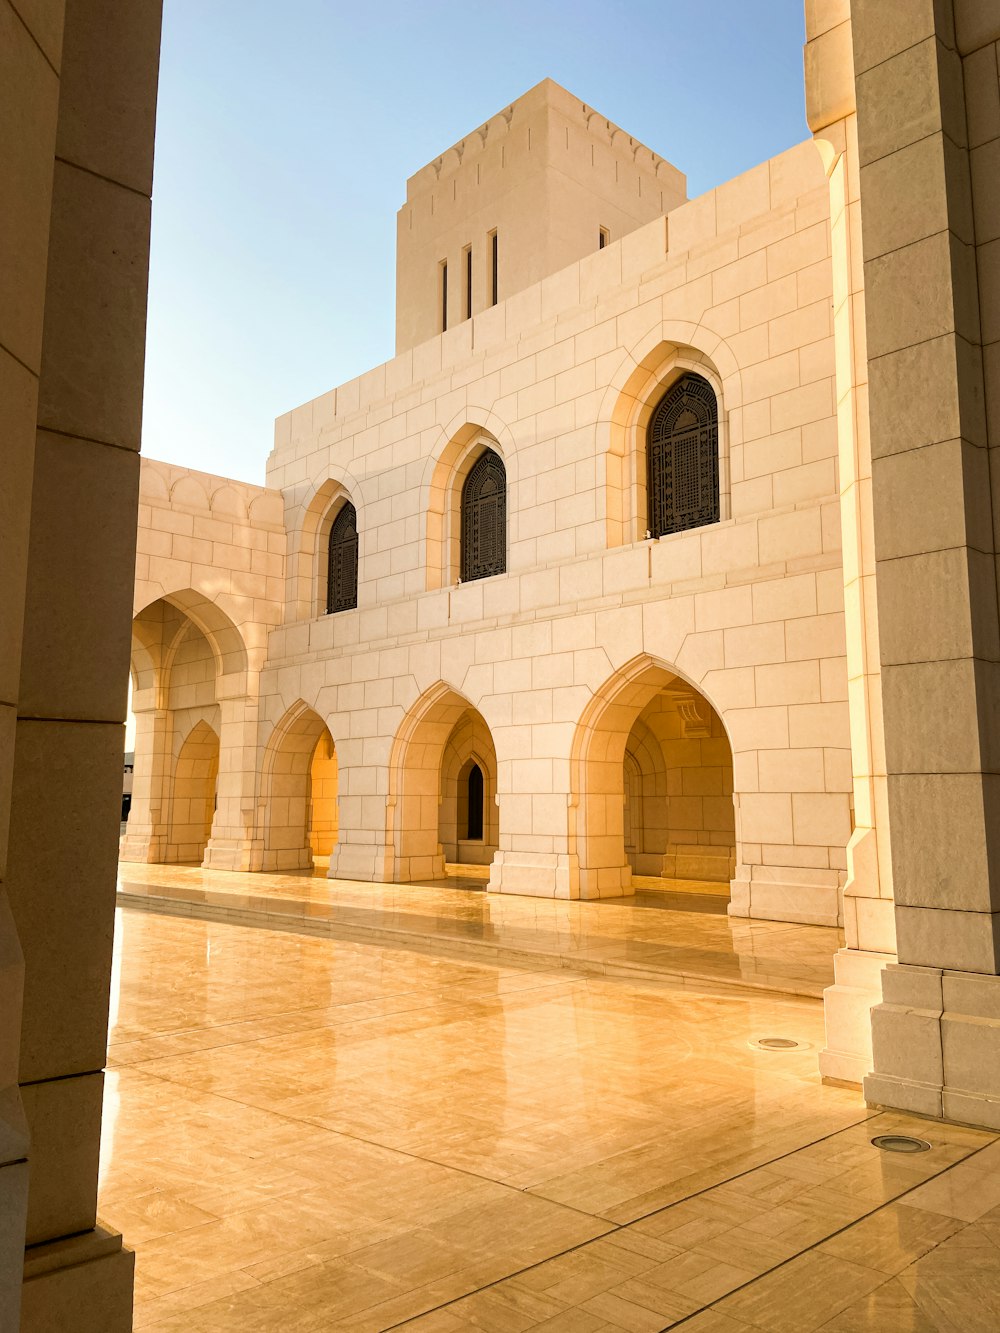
779, 1044
900, 1143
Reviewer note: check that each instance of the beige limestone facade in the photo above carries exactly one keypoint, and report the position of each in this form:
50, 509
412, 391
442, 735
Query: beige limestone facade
709, 664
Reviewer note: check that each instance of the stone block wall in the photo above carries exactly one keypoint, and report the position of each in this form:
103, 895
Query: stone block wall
560, 380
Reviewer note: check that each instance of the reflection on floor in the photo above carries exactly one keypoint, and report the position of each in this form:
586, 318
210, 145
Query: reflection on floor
680, 895
303, 1134
684, 944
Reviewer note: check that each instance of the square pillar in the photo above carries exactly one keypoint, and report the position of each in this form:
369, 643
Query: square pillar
75, 172
928, 105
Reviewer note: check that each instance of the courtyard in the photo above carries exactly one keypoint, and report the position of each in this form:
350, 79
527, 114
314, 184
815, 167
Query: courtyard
304, 1132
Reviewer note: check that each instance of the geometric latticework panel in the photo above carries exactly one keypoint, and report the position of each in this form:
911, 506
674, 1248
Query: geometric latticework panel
342, 567
484, 519
682, 458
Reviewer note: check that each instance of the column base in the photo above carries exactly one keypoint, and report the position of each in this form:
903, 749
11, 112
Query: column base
278, 861
537, 875
142, 848
83, 1283
229, 854
778, 893
857, 988
368, 862
936, 1045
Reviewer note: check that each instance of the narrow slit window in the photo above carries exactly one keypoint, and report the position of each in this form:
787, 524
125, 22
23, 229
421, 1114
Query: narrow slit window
468, 282
603, 237
494, 255
474, 827
444, 296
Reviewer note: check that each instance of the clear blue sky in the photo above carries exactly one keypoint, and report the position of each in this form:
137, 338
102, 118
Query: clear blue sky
286, 132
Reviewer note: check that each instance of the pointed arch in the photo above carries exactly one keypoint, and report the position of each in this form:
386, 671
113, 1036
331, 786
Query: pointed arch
157, 631
645, 376
308, 526
296, 821
597, 769
417, 782
193, 795
462, 444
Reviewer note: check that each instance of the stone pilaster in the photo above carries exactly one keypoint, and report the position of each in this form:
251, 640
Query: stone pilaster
867, 907
928, 102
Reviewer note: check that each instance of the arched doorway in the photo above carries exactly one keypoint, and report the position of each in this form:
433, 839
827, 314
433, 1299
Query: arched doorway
653, 785
299, 792
192, 803
468, 818
679, 790
182, 646
443, 783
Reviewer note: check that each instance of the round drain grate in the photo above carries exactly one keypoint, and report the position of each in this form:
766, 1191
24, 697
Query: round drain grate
900, 1143
779, 1044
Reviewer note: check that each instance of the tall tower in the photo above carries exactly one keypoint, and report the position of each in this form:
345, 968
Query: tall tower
536, 188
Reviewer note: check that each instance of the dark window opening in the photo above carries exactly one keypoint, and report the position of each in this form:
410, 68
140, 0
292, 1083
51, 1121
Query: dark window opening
484, 519
468, 282
342, 567
474, 827
494, 285
603, 237
682, 458
444, 297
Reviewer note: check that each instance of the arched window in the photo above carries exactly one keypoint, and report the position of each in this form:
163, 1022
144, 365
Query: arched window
474, 824
342, 568
484, 519
682, 458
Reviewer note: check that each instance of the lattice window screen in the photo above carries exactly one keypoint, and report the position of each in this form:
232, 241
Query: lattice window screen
484, 519
682, 458
342, 574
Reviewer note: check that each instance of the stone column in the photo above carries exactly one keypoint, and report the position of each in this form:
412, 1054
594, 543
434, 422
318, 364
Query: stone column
145, 837
76, 188
869, 926
30, 50
233, 828
929, 138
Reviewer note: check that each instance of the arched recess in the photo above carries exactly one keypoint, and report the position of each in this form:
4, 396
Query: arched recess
183, 645
158, 627
438, 740
649, 735
299, 783
636, 391
193, 795
463, 446
464, 809
308, 538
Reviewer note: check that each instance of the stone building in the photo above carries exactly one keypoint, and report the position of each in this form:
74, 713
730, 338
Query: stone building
645, 555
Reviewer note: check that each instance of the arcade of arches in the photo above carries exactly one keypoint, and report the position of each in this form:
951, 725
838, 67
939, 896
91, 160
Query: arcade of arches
654, 768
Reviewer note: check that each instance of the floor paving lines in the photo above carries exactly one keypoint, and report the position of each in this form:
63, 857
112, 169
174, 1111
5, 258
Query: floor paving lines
563, 1069
680, 1276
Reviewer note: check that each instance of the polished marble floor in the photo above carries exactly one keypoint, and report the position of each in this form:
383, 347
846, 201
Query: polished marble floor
690, 940
304, 1133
